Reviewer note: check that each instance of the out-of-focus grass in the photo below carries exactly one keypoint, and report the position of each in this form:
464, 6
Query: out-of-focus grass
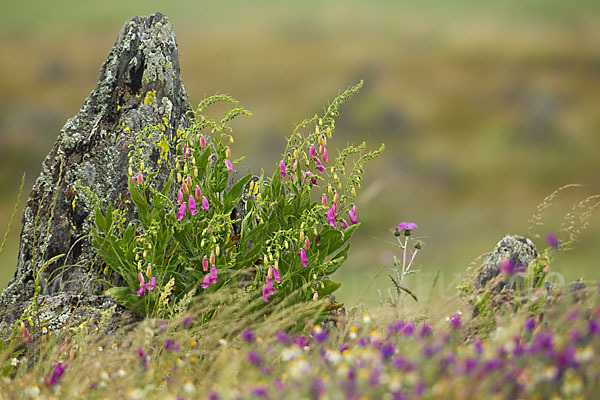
484, 107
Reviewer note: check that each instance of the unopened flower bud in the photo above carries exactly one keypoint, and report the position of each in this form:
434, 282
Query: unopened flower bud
130, 171
335, 198
418, 245
301, 235
142, 166
185, 189
185, 169
353, 192
296, 154
316, 296
178, 177
217, 250
212, 259
202, 142
195, 172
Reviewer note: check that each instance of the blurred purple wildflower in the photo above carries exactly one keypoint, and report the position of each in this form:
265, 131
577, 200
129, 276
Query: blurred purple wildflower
282, 169
248, 336
181, 212
552, 240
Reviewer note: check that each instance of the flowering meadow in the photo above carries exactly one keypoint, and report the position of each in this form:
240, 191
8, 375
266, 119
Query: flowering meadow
229, 277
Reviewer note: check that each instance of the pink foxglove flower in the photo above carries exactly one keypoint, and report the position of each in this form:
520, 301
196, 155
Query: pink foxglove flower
205, 264
276, 275
330, 218
282, 169
228, 165
192, 204
198, 193
140, 178
268, 290
320, 167
325, 158
344, 224
185, 188
152, 283
202, 142
334, 209
212, 259
179, 197
213, 275
352, 214
324, 200
205, 282
303, 259
313, 151
205, 204
307, 244
181, 212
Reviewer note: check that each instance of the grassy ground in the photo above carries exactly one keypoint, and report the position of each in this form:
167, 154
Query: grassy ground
484, 107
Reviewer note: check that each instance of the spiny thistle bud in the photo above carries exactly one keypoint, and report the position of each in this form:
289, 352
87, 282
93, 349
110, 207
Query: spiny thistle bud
418, 245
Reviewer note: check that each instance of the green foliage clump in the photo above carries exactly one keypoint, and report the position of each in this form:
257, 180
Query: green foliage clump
277, 236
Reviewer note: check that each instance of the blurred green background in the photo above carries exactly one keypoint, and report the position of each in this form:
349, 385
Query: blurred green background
485, 107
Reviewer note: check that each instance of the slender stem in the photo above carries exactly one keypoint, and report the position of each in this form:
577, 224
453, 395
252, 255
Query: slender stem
404, 258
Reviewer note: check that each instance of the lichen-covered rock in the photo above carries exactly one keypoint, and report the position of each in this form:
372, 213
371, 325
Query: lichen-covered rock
518, 250
139, 86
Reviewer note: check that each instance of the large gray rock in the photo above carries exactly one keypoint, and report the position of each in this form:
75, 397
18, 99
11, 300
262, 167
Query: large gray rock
139, 86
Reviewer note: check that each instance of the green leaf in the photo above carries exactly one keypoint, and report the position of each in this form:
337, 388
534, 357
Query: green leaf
127, 298
329, 287
141, 205
100, 220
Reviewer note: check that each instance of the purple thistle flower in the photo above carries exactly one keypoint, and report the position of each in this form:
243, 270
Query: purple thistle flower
282, 169
388, 350
352, 214
454, 321
301, 341
425, 331
321, 335
228, 165
254, 358
303, 259
181, 212
408, 330
206, 282
313, 151
205, 204
248, 336
192, 203
552, 241
213, 275
593, 327
529, 324
407, 226
283, 338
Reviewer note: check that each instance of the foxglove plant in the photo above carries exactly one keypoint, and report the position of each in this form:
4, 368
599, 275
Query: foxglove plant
287, 243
